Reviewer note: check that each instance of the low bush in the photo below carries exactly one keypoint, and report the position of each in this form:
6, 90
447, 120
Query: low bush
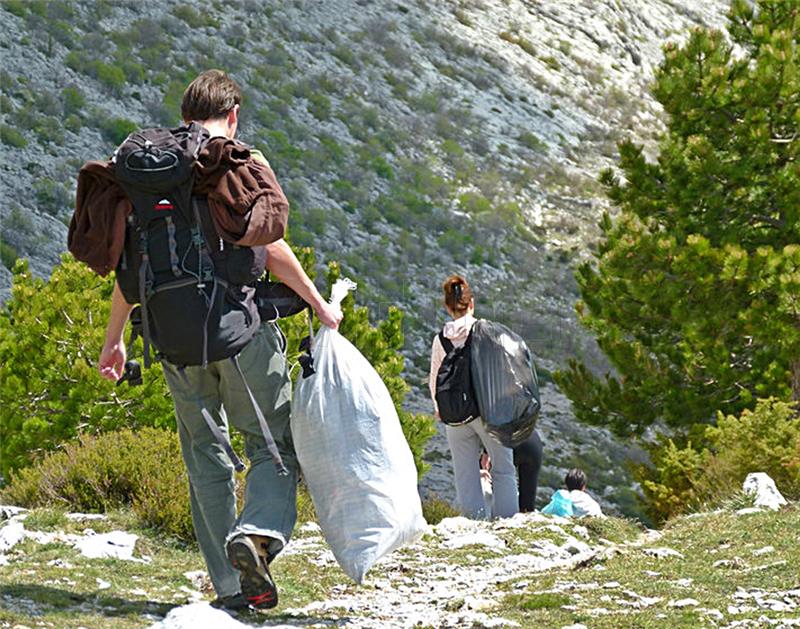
116, 130
11, 137
712, 467
141, 469
73, 100
50, 337
8, 255
52, 196
435, 509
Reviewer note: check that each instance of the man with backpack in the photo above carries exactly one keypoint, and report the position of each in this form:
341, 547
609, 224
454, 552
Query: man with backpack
234, 370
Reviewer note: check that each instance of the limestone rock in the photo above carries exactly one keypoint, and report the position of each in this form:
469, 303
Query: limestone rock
763, 488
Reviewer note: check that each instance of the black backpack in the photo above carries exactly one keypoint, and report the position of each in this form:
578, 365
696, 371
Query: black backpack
196, 303
455, 396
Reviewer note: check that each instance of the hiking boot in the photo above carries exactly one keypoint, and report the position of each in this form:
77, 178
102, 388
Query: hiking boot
247, 553
234, 602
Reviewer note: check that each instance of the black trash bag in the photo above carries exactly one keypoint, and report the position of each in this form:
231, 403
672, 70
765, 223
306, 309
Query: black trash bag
506, 386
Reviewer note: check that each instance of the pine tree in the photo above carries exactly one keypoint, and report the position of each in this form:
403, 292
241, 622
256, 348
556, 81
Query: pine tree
694, 294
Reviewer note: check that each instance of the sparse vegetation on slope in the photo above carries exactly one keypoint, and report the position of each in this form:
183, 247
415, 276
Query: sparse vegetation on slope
534, 570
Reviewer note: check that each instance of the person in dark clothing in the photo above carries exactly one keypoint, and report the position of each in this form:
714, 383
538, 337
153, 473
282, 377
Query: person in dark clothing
528, 461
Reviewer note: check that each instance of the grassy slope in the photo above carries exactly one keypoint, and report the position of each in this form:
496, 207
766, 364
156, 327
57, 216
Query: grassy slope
702, 541
70, 597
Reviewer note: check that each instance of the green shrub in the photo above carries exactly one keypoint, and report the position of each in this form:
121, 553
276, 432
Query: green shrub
51, 334
418, 429
305, 506
333, 152
77, 60
532, 141
382, 167
116, 130
11, 137
435, 509
8, 255
18, 220
713, 468
194, 18
141, 469
319, 106
474, 203
51, 196
109, 75
49, 129
345, 54
519, 40
17, 7
73, 99
73, 123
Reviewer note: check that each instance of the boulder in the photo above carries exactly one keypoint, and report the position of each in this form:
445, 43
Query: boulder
763, 488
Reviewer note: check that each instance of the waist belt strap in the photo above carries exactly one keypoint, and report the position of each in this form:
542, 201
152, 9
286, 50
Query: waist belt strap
271, 446
214, 427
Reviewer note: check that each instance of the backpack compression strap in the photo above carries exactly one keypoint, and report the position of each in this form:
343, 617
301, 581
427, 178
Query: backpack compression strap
271, 446
145, 286
213, 426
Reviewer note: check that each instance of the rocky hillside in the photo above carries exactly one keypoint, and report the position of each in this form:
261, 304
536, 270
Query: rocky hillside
733, 567
413, 138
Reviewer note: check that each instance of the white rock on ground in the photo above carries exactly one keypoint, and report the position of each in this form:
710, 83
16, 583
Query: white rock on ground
662, 553
763, 488
9, 511
201, 615
11, 534
115, 545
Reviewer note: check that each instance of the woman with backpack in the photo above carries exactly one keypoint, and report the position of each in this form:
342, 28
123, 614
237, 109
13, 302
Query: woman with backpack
467, 440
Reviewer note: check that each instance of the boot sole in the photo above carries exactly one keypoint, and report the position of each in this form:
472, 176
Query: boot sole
257, 584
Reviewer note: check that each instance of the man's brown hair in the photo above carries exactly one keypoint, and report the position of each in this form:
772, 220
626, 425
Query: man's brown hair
210, 96
457, 295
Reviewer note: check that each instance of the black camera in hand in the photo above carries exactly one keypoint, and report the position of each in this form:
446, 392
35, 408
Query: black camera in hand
132, 374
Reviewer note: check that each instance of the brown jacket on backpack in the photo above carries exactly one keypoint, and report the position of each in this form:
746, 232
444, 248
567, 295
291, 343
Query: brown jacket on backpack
246, 202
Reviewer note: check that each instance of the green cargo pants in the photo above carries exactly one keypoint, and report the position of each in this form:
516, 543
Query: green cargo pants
270, 500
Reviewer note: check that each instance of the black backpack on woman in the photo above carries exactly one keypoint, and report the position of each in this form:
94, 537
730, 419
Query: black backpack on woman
455, 395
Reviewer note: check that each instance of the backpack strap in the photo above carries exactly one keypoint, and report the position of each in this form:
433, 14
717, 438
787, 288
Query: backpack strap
145, 286
271, 446
213, 426
205, 271
447, 344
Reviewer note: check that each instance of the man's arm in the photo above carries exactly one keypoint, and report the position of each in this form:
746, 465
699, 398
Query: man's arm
284, 265
112, 358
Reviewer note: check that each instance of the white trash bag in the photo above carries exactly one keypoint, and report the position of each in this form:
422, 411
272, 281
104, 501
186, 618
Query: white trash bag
353, 454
